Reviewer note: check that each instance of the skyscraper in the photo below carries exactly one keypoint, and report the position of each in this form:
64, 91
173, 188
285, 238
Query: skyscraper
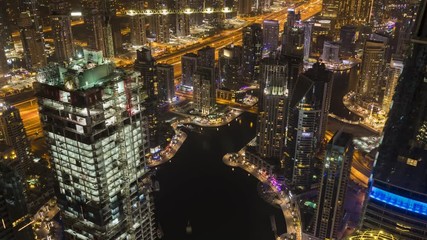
355, 12
61, 29
97, 16
204, 96
293, 35
308, 31
206, 57
13, 134
230, 62
391, 75
252, 52
348, 40
182, 20
188, 68
331, 52
97, 136
32, 39
165, 77
272, 103
162, 24
371, 84
397, 201
333, 186
138, 33
245, 7
308, 116
270, 35
13, 206
5, 34
146, 65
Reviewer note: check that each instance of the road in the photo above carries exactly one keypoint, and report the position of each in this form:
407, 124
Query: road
234, 36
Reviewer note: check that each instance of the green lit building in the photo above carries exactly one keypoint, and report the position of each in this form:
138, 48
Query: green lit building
92, 115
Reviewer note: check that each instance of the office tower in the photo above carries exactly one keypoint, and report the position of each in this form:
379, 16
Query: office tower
371, 84
331, 52
182, 20
252, 52
391, 75
397, 201
293, 35
165, 77
32, 40
97, 16
355, 12
12, 133
204, 90
206, 57
13, 206
96, 130
188, 68
61, 30
138, 33
3, 62
270, 35
230, 62
348, 40
146, 65
333, 186
272, 102
245, 7
308, 31
308, 116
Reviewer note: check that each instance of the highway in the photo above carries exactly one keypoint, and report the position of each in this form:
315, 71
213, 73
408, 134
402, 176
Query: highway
228, 37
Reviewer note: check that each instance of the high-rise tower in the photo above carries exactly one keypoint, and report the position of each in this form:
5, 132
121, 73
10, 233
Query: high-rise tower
204, 90
96, 130
165, 77
182, 20
293, 35
272, 105
12, 133
397, 199
97, 16
308, 116
188, 66
371, 84
61, 29
270, 35
252, 52
138, 33
354, 12
333, 186
32, 37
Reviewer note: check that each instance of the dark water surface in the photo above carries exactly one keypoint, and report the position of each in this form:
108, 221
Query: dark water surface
220, 203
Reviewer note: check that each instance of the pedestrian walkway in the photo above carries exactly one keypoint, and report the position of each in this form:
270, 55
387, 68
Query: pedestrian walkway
289, 208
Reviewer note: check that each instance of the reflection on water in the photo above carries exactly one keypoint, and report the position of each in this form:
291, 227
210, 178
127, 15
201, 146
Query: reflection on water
219, 201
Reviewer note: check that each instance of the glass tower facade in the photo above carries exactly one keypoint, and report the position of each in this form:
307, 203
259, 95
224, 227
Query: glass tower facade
397, 201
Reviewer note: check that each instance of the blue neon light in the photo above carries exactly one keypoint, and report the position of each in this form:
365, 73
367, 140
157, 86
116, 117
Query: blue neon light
399, 201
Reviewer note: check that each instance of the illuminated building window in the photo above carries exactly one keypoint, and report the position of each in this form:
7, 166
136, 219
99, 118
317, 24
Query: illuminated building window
412, 162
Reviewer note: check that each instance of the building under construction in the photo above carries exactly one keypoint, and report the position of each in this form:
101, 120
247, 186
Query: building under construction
93, 119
